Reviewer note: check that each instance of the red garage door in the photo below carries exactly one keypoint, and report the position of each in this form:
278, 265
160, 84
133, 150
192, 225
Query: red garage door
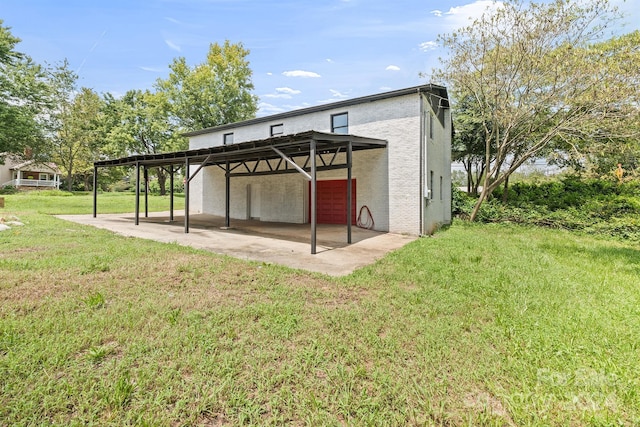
332, 201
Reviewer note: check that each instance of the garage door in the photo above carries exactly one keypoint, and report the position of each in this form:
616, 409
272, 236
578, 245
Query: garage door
332, 201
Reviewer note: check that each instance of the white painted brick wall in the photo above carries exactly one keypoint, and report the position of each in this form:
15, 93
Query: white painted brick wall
388, 180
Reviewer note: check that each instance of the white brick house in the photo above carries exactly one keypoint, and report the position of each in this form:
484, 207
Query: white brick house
406, 186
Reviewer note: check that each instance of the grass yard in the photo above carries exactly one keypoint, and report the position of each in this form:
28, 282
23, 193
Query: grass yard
56, 202
481, 325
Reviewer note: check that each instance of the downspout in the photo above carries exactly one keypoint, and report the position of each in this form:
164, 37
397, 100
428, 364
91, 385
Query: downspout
423, 147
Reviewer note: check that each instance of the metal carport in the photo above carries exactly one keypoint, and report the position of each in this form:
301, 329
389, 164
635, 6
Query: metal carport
306, 153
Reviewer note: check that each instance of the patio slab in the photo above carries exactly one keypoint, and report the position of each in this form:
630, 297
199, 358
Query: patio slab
279, 243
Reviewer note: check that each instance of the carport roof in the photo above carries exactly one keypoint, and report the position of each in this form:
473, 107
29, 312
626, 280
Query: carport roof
263, 149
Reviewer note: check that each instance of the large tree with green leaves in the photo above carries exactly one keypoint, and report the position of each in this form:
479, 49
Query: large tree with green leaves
212, 93
78, 141
468, 145
541, 74
63, 130
23, 97
146, 127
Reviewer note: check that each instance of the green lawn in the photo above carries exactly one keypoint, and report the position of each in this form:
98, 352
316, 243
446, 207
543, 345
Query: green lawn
56, 202
480, 325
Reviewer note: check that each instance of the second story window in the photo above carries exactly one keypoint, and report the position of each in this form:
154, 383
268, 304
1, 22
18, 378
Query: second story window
340, 123
227, 139
277, 129
431, 125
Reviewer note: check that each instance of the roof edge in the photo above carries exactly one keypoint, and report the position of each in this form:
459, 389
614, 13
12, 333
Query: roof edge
323, 107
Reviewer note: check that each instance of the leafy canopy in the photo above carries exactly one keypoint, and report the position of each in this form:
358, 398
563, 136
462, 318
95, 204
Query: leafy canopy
23, 96
213, 93
539, 74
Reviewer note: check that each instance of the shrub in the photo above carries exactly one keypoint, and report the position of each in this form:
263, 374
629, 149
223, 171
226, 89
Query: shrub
9, 189
594, 206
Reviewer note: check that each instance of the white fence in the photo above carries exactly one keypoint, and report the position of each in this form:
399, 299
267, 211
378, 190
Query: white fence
31, 183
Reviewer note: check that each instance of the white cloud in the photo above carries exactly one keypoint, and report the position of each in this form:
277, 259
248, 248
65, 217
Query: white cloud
329, 60
337, 94
436, 12
269, 74
173, 20
283, 93
300, 73
385, 88
277, 95
172, 45
461, 16
427, 46
152, 69
265, 109
392, 68
287, 90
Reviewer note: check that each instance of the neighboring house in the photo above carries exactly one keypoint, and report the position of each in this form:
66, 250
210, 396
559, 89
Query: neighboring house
406, 186
25, 174
394, 148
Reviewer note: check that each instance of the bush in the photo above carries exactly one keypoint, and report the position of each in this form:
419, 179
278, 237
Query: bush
9, 189
461, 203
594, 206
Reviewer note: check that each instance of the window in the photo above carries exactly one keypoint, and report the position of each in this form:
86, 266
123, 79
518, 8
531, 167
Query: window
44, 177
227, 139
431, 185
430, 125
340, 123
277, 129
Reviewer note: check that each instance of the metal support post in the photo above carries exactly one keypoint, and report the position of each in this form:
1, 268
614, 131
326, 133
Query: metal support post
171, 177
137, 221
227, 196
95, 191
313, 195
187, 180
349, 192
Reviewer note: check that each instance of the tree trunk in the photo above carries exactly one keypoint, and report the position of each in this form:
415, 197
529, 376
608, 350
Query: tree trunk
69, 181
505, 191
476, 208
162, 181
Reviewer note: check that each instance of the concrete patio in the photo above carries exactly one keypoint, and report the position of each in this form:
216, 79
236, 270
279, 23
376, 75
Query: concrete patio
279, 243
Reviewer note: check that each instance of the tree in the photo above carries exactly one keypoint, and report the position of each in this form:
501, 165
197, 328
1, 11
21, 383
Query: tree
468, 144
540, 74
213, 93
22, 97
146, 127
82, 146
64, 128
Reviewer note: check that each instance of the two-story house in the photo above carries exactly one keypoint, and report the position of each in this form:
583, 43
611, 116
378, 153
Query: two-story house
381, 161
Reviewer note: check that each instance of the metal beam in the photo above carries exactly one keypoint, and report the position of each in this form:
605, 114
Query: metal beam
203, 164
286, 171
293, 164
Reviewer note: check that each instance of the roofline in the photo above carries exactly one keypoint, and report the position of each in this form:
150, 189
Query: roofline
256, 150
323, 107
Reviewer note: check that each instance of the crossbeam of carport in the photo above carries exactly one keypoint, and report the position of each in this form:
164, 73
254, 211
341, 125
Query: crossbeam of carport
283, 149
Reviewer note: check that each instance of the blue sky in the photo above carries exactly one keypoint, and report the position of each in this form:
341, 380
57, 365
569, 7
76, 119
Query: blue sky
303, 52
